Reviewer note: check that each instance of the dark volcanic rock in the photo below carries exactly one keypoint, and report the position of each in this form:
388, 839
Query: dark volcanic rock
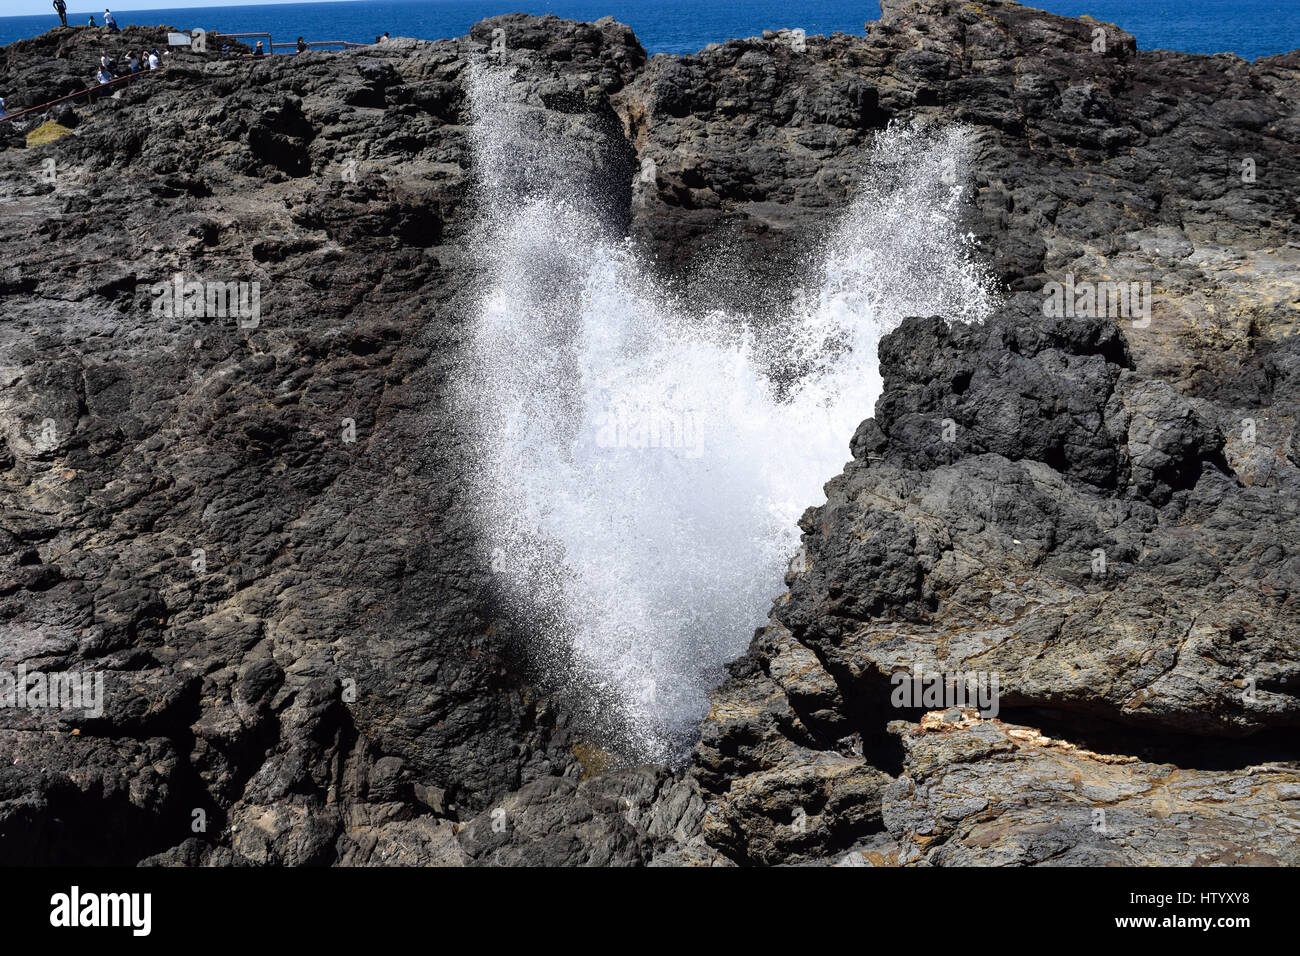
258, 528
258, 531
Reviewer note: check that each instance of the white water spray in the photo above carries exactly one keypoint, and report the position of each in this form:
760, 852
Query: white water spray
640, 466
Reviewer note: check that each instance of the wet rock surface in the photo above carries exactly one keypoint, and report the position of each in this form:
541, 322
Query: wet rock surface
258, 530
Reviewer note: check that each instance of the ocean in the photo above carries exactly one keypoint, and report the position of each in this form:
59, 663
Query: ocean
1248, 28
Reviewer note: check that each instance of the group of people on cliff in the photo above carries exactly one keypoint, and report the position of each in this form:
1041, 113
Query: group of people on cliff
61, 8
147, 59
133, 64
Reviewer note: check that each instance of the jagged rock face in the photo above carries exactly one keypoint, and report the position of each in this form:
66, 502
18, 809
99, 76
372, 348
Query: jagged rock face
1056, 453
333, 682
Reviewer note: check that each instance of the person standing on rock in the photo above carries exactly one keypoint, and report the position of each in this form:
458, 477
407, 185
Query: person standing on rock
109, 20
61, 8
92, 22
257, 50
153, 59
302, 45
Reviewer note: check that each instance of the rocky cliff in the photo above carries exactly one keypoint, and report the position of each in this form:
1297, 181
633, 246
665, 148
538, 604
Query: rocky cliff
257, 528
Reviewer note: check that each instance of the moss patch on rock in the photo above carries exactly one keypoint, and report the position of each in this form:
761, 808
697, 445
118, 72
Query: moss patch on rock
47, 132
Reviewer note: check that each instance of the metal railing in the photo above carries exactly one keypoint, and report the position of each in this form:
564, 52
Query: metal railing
242, 36
271, 45
345, 44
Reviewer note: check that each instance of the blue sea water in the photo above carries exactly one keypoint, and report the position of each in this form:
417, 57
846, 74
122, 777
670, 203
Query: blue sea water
1248, 28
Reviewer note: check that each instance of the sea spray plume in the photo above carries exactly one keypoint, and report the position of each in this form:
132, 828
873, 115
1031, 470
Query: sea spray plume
639, 471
